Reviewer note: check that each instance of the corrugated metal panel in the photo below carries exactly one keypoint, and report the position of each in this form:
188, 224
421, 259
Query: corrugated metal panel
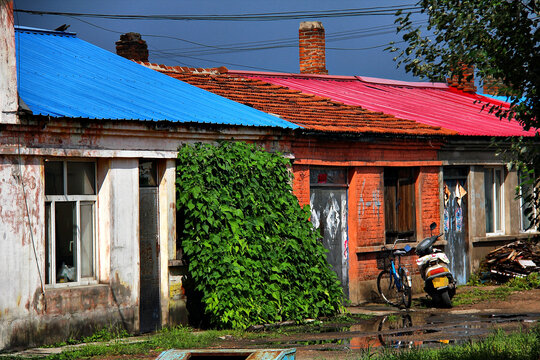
430, 105
60, 75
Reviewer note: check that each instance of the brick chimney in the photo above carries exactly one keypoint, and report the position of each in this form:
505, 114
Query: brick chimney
8, 67
465, 82
492, 86
132, 46
312, 48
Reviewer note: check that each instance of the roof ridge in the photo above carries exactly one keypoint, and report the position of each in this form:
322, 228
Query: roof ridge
183, 69
366, 79
28, 29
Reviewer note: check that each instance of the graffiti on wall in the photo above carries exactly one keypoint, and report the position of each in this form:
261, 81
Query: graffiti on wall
365, 203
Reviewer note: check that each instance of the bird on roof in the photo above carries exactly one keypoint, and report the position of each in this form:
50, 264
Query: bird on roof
63, 27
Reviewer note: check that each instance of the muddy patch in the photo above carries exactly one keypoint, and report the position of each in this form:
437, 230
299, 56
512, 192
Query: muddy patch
398, 331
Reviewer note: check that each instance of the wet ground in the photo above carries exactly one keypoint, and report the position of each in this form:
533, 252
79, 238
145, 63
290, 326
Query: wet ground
395, 330
388, 327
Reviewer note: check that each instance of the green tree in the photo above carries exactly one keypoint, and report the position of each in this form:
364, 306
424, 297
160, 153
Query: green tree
501, 39
251, 250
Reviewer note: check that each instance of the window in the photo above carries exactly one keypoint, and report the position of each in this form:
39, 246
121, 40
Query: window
399, 203
493, 185
526, 201
70, 201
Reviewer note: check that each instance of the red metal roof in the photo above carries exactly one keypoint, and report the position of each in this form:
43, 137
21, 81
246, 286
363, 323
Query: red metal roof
433, 104
310, 111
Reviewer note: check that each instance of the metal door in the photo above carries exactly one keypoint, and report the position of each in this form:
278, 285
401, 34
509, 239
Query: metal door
329, 214
455, 222
149, 310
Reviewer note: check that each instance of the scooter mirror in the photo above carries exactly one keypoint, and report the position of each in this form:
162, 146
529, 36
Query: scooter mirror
433, 226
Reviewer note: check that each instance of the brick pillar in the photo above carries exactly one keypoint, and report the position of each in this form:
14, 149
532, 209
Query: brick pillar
133, 47
465, 82
492, 86
312, 48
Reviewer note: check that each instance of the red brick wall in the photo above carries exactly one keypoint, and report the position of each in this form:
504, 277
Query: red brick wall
427, 190
366, 207
301, 183
366, 194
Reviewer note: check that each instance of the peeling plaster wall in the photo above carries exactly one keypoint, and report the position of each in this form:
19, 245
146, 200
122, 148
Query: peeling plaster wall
167, 230
8, 68
27, 317
124, 228
19, 280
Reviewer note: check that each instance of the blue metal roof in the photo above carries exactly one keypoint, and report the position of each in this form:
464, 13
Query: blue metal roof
60, 75
501, 98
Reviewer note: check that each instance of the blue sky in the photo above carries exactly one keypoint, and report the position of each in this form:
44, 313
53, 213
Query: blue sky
171, 45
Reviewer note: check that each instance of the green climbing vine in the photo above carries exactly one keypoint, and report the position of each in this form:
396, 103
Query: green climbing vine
251, 250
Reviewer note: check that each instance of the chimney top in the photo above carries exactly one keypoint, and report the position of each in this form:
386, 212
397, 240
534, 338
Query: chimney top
132, 46
310, 25
312, 48
464, 81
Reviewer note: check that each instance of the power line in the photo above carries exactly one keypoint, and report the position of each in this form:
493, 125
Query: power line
370, 11
263, 45
228, 63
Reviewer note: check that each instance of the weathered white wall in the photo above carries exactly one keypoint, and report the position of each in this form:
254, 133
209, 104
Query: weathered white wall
20, 294
8, 69
167, 230
124, 230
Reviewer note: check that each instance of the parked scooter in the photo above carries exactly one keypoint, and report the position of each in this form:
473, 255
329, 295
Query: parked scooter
439, 282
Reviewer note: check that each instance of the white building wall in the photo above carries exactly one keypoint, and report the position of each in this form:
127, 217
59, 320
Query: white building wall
8, 69
124, 228
20, 287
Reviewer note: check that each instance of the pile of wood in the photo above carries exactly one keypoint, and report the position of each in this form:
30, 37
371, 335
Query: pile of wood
517, 259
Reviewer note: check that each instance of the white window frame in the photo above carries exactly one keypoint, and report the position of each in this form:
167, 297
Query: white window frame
77, 199
497, 209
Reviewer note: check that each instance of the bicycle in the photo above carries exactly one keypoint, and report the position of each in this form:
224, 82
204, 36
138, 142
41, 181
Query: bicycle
394, 282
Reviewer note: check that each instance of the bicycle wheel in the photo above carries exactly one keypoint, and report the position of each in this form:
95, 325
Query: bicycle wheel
407, 291
387, 288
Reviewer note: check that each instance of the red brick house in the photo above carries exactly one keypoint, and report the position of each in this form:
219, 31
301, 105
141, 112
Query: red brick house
481, 211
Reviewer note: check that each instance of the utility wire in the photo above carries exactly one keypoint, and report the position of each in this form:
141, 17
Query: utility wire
371, 11
271, 44
330, 37
228, 63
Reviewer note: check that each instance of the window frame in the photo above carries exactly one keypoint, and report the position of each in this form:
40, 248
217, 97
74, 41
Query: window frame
397, 178
500, 207
50, 228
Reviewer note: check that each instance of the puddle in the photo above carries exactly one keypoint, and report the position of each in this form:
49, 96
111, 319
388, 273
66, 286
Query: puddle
400, 331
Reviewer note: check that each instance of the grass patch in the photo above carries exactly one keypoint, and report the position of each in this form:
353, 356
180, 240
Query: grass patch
170, 338
479, 294
499, 346
468, 296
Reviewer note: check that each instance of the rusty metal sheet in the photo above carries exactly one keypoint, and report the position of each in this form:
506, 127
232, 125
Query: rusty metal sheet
227, 354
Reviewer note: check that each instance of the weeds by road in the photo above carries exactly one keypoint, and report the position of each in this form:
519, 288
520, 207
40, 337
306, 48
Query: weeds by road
479, 293
173, 338
499, 346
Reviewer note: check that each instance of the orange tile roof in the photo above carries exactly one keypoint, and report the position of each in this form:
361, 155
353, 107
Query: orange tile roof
310, 111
